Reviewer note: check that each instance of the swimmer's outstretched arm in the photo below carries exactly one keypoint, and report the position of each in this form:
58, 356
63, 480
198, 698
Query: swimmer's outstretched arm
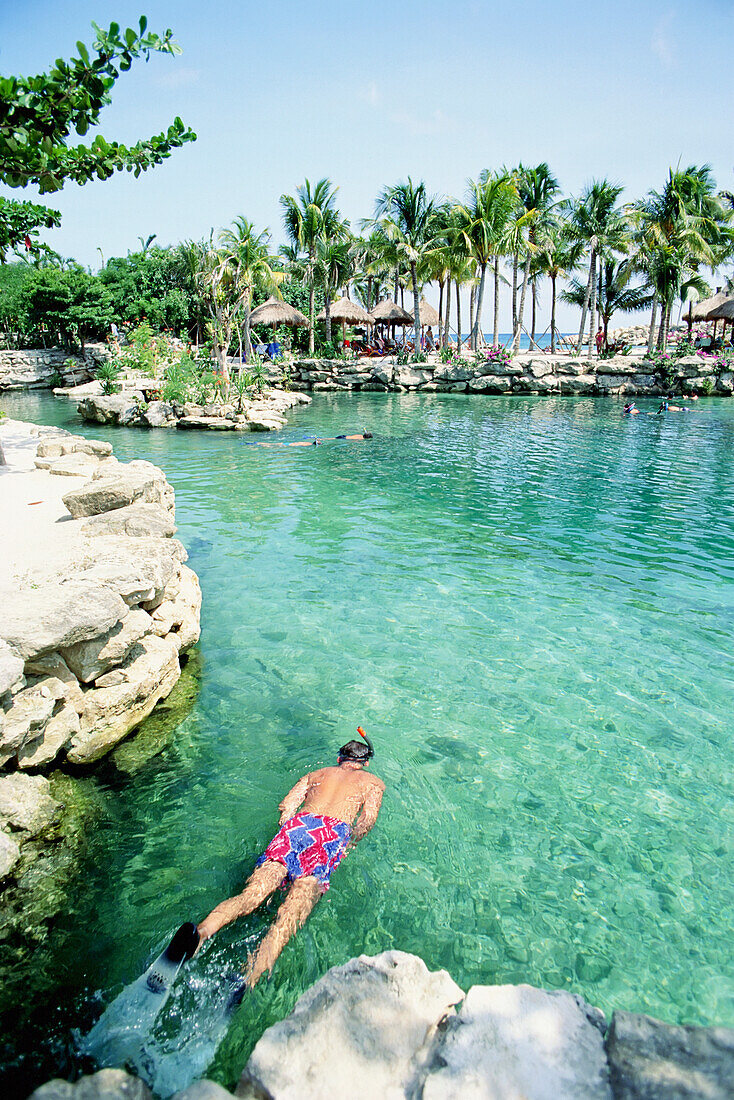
366, 820
293, 799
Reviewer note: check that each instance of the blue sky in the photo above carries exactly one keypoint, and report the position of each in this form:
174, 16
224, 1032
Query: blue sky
370, 93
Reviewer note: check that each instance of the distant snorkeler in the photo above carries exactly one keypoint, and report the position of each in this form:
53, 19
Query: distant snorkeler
317, 828
314, 442
630, 409
665, 406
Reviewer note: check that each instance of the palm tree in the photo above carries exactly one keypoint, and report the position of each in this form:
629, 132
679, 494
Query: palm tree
246, 253
334, 266
309, 217
616, 295
556, 258
482, 227
597, 224
537, 189
407, 217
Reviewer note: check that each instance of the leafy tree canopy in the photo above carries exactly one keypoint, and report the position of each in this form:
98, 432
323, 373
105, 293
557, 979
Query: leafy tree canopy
72, 304
155, 283
39, 113
19, 225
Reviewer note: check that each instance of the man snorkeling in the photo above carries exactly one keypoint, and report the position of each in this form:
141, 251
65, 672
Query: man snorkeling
317, 828
630, 409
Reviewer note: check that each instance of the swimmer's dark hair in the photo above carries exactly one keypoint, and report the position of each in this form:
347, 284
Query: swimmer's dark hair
356, 752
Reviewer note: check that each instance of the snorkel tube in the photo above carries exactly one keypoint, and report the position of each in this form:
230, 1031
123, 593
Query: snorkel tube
364, 737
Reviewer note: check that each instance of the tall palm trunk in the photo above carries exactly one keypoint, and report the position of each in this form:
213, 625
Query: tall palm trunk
472, 297
416, 309
582, 326
445, 338
496, 325
651, 333
521, 311
248, 336
440, 305
311, 302
592, 307
395, 291
515, 262
534, 300
553, 313
458, 315
480, 299
327, 313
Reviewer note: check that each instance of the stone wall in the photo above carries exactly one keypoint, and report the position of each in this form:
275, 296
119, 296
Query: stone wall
525, 374
92, 638
24, 370
386, 1026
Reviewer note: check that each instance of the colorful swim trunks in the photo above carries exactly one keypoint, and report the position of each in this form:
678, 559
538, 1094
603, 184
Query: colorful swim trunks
309, 844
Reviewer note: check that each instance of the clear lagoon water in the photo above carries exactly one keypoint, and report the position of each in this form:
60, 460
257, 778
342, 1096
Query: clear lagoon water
529, 605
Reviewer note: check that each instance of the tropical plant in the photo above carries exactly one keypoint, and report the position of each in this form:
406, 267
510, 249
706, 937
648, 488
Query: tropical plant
245, 253
537, 189
71, 305
615, 292
599, 227
334, 266
406, 214
556, 258
309, 217
108, 374
481, 227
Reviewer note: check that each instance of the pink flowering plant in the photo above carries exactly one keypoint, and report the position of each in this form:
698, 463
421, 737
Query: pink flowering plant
495, 355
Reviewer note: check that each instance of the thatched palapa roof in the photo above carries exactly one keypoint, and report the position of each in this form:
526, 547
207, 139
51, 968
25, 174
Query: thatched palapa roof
702, 311
276, 312
389, 312
344, 309
724, 312
429, 315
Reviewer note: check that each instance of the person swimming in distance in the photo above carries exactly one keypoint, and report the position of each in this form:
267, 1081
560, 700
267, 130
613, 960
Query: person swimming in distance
317, 828
630, 409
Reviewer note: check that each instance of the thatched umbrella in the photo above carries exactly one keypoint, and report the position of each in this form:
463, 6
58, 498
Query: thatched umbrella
429, 316
348, 312
703, 310
390, 313
723, 312
276, 312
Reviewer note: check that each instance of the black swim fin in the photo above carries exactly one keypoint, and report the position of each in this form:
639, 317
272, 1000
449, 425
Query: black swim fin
161, 974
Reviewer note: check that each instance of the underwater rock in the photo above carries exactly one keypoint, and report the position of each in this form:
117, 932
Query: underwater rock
107, 1084
648, 1058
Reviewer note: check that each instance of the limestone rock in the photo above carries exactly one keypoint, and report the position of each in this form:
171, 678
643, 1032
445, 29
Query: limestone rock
136, 520
9, 854
365, 1030
58, 678
411, 376
179, 618
136, 574
265, 423
107, 1084
88, 660
517, 1041
115, 409
158, 413
56, 735
116, 490
25, 802
25, 719
11, 668
73, 465
650, 1060
579, 383
212, 423
55, 616
203, 1090
111, 711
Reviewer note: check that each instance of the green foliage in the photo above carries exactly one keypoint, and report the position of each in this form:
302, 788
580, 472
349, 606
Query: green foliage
71, 305
178, 380
13, 315
156, 284
258, 376
108, 374
19, 225
707, 386
38, 115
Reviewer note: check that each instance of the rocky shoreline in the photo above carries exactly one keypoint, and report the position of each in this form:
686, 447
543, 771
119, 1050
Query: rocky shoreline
98, 613
386, 1026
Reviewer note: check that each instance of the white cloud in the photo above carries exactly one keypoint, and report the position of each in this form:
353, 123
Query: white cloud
662, 43
178, 78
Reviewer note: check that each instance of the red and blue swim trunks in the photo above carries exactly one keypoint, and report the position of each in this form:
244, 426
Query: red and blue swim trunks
309, 844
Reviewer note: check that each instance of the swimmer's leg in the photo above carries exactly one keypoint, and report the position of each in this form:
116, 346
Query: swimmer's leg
260, 885
292, 915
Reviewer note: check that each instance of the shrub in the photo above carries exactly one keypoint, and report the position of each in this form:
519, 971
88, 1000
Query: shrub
108, 374
495, 355
707, 386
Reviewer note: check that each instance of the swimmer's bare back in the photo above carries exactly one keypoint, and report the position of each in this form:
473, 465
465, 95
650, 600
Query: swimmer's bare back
342, 792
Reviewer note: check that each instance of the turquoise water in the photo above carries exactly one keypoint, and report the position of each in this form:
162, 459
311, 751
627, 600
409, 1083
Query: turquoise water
528, 603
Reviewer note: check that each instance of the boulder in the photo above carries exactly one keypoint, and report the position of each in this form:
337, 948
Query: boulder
73, 465
265, 423
578, 384
60, 680
116, 409
11, 668
136, 520
411, 376
367, 1029
158, 413
107, 1084
25, 802
138, 572
203, 1090
56, 735
54, 616
649, 1059
125, 696
9, 854
88, 660
453, 372
124, 486
212, 423
54, 446
25, 719
517, 1041
178, 618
